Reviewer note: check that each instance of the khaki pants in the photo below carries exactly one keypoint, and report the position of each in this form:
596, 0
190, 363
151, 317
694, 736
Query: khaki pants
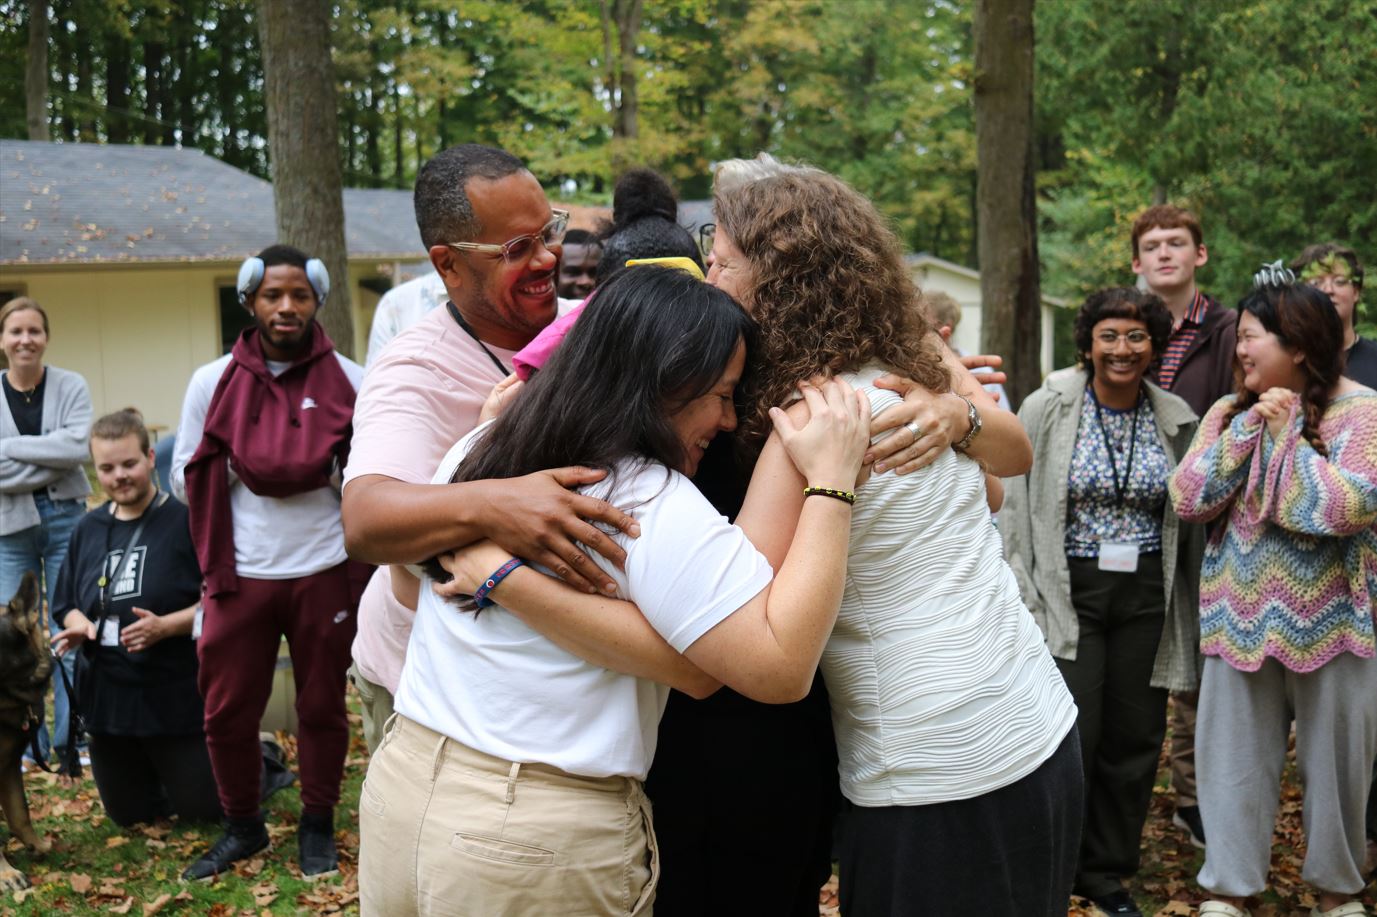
449, 830
376, 704
1183, 707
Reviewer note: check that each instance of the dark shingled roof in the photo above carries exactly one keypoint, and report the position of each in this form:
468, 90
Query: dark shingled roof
87, 202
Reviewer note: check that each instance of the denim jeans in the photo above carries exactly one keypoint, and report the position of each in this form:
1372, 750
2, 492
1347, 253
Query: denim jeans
42, 548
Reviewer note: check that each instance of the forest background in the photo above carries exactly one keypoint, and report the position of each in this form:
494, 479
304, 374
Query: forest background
1259, 114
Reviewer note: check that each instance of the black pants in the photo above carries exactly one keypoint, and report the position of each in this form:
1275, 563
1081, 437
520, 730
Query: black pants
744, 795
1122, 718
141, 779
1010, 851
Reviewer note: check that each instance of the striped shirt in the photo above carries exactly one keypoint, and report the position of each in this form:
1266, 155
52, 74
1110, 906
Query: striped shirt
1183, 335
941, 685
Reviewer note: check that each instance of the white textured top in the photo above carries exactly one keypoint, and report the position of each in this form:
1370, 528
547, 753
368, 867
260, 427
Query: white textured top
274, 537
942, 688
494, 684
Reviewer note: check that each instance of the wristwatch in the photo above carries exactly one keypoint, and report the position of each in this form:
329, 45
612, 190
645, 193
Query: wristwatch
974, 417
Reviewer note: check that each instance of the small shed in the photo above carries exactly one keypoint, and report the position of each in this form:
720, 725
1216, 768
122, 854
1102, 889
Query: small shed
963, 284
133, 251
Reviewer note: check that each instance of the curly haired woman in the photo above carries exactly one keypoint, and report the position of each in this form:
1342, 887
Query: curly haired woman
1289, 466
955, 732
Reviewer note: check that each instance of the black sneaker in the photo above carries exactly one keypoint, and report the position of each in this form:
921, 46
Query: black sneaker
241, 840
1117, 904
1187, 818
315, 840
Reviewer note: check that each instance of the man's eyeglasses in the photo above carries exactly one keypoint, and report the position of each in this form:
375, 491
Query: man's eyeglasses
520, 248
1137, 338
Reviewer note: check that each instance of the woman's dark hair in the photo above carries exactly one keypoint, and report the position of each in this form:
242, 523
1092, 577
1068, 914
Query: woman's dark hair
644, 212
651, 341
1304, 318
1121, 302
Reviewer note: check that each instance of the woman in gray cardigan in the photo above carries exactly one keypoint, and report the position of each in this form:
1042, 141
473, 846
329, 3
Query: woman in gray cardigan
1108, 571
45, 421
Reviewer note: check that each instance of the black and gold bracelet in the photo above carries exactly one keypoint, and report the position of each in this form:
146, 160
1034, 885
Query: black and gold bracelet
847, 496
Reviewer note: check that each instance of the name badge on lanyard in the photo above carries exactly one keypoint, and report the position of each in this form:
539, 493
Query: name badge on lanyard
1118, 556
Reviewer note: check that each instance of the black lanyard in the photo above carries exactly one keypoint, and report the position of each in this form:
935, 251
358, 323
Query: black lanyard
1109, 447
105, 582
468, 329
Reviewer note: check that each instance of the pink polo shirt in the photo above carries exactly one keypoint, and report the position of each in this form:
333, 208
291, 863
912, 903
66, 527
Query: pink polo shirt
421, 395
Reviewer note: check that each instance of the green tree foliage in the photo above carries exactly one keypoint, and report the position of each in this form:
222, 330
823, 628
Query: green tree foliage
1261, 116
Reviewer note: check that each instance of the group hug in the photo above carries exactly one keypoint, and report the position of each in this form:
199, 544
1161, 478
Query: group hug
672, 571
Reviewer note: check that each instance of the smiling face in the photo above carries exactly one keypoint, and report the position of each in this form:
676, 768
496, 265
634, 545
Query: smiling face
24, 340
578, 268
704, 417
1121, 352
1167, 259
124, 470
729, 271
1266, 361
284, 308
507, 303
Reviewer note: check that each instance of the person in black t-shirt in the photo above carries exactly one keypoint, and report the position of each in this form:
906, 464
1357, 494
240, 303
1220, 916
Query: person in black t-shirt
132, 619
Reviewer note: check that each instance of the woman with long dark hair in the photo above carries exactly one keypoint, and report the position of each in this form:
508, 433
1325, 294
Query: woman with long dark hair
1287, 467
535, 754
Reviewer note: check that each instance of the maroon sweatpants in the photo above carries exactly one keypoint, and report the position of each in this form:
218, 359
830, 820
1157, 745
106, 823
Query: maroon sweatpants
240, 635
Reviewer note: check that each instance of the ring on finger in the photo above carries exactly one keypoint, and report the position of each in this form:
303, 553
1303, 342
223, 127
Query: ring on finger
916, 430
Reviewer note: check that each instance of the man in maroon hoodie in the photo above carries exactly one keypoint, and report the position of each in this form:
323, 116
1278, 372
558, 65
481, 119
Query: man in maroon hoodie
264, 436
1197, 365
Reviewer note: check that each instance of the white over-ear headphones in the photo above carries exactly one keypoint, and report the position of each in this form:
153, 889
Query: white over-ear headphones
251, 276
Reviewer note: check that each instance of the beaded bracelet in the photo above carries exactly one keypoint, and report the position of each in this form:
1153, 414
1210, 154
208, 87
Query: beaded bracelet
480, 597
846, 496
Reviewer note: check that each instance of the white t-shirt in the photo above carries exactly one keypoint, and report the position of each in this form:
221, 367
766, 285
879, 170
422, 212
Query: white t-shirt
941, 685
401, 307
274, 537
498, 686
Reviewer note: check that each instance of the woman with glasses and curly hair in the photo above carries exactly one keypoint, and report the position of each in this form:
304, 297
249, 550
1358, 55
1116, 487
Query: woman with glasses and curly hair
955, 732
1287, 469
1106, 567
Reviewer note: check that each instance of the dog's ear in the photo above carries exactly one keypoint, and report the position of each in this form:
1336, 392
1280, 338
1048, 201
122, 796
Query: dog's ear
24, 604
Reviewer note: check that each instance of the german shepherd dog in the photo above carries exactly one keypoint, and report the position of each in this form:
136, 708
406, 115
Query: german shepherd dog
25, 664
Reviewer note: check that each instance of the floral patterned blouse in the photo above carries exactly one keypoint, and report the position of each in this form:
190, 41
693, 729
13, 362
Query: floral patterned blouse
1094, 511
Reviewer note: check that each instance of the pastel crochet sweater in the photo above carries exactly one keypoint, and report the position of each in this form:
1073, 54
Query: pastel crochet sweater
1292, 572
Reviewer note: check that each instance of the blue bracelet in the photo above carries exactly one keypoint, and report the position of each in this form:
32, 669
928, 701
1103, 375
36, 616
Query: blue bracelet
480, 597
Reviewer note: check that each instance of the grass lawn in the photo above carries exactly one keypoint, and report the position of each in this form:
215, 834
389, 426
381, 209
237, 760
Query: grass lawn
96, 868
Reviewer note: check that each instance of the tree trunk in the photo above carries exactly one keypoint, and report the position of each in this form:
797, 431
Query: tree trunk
303, 135
625, 17
1011, 308
628, 33
86, 103
152, 90
116, 87
36, 72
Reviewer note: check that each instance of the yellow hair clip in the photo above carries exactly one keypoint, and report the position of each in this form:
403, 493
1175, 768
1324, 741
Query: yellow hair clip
683, 264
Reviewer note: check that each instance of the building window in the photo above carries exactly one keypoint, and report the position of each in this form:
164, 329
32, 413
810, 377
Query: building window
234, 318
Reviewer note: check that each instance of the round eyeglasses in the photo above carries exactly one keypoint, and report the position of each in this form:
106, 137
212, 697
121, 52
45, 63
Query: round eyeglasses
1137, 338
522, 247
